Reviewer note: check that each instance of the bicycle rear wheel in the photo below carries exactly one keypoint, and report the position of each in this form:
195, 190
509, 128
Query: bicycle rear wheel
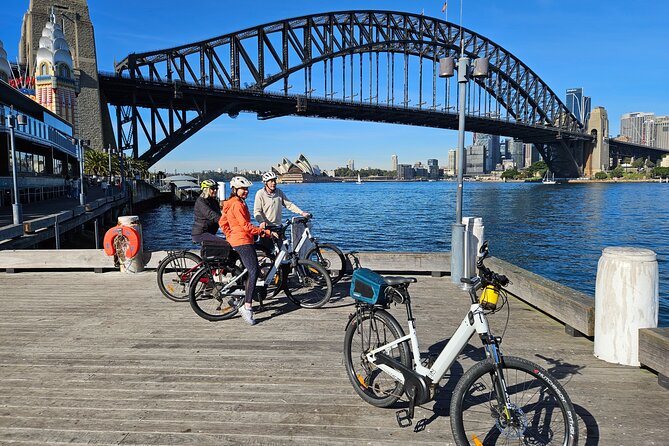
206, 294
174, 272
308, 285
329, 257
365, 333
542, 412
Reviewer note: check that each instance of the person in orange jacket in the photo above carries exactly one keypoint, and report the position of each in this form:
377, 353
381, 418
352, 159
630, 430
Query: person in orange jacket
240, 233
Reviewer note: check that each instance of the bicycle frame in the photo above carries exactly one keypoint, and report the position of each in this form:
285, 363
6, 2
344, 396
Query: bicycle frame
474, 322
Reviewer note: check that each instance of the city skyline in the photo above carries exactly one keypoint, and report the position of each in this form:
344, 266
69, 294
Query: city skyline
587, 60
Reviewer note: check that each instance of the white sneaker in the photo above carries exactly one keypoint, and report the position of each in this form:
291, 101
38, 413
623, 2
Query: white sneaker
247, 315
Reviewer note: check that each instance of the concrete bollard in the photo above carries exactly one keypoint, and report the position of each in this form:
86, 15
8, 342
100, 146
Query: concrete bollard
136, 264
626, 299
474, 233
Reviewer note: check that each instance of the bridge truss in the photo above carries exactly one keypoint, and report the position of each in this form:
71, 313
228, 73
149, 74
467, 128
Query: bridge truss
362, 65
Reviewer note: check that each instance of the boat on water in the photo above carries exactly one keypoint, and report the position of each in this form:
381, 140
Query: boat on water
184, 188
549, 178
359, 181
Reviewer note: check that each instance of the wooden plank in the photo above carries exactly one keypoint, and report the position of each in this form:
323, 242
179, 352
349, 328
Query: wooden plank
654, 349
55, 259
561, 302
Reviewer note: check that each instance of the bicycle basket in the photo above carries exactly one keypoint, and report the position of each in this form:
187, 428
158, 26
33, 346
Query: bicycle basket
218, 251
368, 286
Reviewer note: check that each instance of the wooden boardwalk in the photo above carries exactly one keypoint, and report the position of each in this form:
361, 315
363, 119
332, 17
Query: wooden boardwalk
105, 359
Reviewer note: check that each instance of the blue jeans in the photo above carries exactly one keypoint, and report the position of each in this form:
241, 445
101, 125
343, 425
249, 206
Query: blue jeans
250, 260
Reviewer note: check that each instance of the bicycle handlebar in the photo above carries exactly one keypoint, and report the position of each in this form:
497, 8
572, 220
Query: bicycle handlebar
485, 275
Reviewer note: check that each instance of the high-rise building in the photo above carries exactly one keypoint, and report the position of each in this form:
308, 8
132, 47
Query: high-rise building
450, 164
433, 168
531, 154
393, 163
638, 127
516, 152
491, 150
350, 164
405, 172
578, 104
475, 159
661, 132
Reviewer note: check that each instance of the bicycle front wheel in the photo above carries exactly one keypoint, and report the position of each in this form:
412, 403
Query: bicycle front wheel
366, 332
174, 273
207, 296
308, 285
329, 257
542, 413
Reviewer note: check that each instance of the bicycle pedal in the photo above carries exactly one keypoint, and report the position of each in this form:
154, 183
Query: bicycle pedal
403, 418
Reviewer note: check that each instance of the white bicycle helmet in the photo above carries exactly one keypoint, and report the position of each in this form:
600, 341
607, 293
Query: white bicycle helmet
237, 182
268, 176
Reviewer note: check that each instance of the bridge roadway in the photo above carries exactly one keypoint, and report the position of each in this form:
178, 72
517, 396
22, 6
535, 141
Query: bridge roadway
105, 359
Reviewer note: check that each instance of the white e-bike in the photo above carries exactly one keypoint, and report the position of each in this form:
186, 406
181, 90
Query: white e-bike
500, 400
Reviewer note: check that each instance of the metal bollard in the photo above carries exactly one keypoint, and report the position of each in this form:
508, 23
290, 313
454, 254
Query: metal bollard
474, 238
626, 299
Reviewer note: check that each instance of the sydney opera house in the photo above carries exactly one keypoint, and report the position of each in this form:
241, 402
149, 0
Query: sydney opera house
298, 171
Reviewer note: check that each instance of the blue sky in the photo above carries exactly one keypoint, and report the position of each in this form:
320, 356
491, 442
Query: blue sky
615, 50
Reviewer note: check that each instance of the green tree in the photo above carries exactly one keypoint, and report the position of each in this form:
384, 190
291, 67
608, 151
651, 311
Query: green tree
510, 174
661, 172
601, 176
96, 162
618, 172
638, 163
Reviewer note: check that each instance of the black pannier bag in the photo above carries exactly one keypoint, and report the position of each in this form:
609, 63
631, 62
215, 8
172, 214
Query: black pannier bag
218, 250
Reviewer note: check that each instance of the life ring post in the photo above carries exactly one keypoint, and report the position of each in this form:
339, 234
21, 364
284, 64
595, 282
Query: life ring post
124, 241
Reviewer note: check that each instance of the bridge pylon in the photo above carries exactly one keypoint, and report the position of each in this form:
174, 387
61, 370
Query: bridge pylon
597, 157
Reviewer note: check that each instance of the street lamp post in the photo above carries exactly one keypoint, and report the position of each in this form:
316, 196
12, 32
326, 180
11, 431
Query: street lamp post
13, 121
80, 145
446, 66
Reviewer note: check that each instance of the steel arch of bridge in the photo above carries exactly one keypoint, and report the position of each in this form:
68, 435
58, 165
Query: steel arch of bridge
186, 87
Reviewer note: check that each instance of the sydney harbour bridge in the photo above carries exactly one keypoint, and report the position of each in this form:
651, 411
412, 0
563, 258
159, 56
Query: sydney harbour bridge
378, 66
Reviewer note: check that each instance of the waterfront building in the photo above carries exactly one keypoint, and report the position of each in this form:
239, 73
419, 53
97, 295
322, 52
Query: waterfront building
393, 163
579, 104
405, 172
433, 168
419, 170
45, 154
661, 132
350, 164
5, 69
300, 171
450, 164
638, 127
55, 86
475, 159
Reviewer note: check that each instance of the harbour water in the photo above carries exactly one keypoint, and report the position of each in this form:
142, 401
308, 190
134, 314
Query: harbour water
557, 231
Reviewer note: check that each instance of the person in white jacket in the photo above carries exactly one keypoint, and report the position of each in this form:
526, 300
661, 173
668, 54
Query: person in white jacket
270, 201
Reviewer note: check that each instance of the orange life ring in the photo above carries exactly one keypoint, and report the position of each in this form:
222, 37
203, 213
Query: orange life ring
129, 233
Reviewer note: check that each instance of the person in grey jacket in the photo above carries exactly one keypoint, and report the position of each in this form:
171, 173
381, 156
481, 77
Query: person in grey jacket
207, 213
270, 201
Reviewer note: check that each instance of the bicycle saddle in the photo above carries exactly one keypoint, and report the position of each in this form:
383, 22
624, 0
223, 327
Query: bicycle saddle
398, 280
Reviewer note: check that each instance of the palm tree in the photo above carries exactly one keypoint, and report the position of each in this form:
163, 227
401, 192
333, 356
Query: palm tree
96, 162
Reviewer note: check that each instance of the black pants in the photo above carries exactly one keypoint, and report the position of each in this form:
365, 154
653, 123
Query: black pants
250, 260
